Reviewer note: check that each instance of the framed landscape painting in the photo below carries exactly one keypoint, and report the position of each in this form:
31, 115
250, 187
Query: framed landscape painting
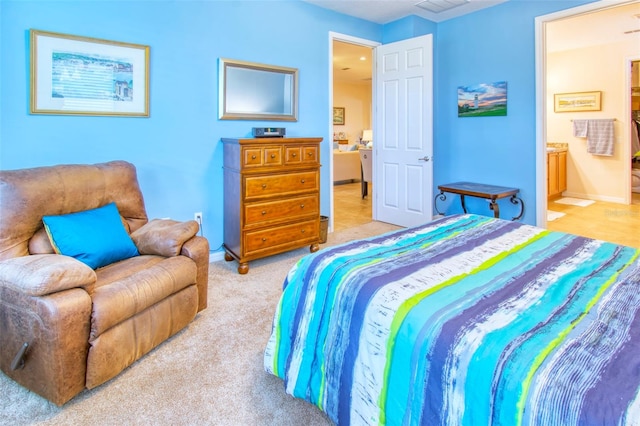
578, 101
483, 100
88, 76
338, 115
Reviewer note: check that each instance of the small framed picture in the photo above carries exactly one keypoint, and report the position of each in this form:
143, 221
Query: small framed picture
338, 115
578, 101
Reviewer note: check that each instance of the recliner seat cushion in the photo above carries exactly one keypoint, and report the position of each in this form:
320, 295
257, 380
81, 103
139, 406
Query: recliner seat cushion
122, 299
123, 344
137, 304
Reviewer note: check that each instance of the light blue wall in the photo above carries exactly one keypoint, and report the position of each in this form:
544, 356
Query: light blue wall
491, 45
408, 27
177, 150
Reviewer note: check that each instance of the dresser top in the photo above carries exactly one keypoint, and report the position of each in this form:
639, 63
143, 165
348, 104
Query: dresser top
291, 140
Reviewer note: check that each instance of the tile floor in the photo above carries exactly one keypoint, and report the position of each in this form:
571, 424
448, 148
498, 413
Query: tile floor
617, 223
349, 208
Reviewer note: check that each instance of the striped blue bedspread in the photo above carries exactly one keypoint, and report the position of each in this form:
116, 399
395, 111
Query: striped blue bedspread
467, 320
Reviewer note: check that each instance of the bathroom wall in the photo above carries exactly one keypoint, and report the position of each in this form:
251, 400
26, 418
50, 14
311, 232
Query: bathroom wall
600, 67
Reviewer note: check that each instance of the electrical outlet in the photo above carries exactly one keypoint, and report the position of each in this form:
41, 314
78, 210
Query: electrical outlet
197, 216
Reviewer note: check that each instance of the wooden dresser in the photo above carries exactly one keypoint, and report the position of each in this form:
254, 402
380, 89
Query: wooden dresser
271, 197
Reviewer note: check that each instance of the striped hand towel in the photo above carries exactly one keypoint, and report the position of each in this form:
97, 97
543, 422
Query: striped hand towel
580, 128
600, 137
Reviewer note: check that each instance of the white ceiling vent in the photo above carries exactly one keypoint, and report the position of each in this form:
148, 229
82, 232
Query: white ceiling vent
438, 6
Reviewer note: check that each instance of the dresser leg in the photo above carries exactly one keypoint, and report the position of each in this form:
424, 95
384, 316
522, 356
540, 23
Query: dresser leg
243, 268
314, 248
228, 257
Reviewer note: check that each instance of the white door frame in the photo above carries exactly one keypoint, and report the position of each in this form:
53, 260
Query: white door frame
627, 132
541, 110
333, 36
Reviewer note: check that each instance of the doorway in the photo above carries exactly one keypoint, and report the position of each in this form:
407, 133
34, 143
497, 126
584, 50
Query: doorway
402, 150
351, 80
635, 129
550, 32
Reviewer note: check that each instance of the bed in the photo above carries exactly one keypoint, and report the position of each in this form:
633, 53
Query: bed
466, 320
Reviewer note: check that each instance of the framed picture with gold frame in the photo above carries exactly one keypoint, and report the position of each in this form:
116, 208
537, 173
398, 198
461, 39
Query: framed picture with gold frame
338, 115
88, 76
577, 101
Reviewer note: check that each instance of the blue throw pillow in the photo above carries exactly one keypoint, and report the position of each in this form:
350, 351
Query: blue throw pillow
96, 237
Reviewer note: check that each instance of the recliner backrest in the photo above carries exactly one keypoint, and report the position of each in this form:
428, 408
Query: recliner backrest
27, 195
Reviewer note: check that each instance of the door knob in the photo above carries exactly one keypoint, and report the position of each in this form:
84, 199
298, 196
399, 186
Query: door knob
425, 158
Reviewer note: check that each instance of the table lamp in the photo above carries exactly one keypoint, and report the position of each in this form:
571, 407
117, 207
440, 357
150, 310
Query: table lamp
367, 136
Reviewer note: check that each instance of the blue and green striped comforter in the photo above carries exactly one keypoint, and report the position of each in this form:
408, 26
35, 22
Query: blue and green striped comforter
467, 320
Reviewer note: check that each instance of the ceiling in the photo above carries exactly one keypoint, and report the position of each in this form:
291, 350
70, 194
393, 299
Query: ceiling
385, 11
594, 28
349, 65
588, 29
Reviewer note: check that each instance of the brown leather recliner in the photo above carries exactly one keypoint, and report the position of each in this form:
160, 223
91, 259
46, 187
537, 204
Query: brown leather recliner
64, 326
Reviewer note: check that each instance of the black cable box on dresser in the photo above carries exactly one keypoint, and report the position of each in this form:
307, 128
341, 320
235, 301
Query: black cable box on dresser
268, 132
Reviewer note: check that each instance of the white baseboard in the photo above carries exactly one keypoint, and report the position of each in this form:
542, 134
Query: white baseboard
216, 256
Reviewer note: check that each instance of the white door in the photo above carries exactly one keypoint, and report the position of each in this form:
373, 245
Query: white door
403, 132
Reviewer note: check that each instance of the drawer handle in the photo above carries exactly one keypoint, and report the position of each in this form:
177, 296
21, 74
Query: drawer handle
264, 212
302, 206
264, 239
310, 154
302, 180
273, 156
264, 186
293, 154
253, 157
302, 230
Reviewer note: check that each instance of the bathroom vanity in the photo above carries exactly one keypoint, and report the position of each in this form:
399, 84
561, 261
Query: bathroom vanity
556, 169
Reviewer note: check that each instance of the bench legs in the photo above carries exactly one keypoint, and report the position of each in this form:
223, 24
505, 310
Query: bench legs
493, 205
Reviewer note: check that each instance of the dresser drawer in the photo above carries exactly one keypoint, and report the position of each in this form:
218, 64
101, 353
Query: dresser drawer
301, 155
261, 156
269, 212
284, 184
287, 235
310, 154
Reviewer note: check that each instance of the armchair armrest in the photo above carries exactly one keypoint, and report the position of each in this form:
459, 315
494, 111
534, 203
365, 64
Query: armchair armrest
42, 274
42, 305
169, 238
56, 329
197, 248
164, 237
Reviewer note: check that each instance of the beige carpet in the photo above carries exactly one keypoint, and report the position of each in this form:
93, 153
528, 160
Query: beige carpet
211, 373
